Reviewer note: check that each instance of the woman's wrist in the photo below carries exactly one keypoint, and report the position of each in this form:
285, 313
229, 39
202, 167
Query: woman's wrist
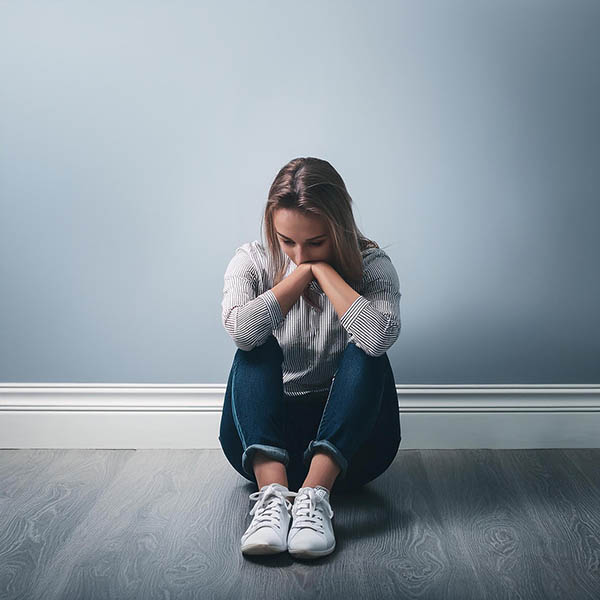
308, 267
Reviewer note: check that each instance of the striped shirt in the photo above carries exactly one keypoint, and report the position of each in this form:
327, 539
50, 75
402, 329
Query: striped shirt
311, 340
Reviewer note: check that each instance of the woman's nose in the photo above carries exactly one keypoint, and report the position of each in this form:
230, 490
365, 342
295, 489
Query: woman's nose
304, 257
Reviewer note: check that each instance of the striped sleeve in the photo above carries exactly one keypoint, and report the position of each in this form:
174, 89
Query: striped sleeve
248, 317
373, 319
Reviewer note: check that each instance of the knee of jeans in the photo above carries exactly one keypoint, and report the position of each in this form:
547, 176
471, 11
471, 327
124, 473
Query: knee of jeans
272, 341
352, 347
269, 345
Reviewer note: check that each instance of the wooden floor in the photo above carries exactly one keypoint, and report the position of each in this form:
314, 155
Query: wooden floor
166, 524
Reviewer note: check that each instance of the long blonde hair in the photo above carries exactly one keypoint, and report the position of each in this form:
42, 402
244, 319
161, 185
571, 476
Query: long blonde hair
312, 186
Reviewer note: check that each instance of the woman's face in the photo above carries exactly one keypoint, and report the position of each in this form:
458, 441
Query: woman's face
295, 232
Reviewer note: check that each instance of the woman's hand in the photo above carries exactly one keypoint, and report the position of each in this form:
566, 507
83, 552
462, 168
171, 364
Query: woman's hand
306, 292
306, 266
316, 267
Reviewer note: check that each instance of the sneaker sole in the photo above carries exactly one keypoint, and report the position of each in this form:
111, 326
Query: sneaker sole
262, 549
311, 553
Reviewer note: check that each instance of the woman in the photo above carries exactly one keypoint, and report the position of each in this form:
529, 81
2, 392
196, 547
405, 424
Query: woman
311, 400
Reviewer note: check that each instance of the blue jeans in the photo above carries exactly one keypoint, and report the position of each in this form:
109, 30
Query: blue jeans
356, 422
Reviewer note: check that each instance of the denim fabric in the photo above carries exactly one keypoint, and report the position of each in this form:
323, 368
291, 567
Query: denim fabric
357, 422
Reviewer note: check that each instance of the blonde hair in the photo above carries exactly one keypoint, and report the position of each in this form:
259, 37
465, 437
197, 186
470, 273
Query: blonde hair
312, 186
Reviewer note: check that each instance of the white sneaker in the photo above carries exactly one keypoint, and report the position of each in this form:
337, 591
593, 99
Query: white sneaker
311, 534
267, 533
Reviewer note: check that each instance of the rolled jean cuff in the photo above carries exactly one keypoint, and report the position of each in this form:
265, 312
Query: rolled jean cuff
330, 449
280, 454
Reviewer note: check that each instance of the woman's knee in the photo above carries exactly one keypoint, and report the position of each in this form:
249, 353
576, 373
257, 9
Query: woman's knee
269, 348
360, 358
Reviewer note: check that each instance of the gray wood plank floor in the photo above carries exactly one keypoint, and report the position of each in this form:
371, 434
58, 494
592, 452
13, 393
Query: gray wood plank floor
166, 524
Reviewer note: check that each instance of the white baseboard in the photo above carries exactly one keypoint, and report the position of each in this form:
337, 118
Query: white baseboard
50, 415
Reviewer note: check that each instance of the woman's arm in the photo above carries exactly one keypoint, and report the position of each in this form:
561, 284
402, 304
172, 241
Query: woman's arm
288, 290
372, 318
332, 283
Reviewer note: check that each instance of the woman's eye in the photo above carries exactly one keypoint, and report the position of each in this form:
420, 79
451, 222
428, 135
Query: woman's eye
292, 243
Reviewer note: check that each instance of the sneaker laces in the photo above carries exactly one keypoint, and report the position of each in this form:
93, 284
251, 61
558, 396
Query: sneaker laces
267, 508
307, 508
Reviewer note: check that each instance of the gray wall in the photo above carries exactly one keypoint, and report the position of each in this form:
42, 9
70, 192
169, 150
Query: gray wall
133, 133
